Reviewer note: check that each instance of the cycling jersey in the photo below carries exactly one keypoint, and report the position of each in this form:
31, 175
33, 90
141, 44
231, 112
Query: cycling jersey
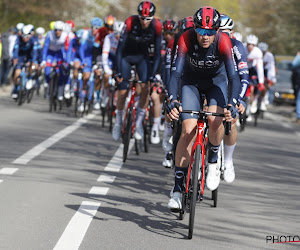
255, 63
26, 50
108, 52
269, 66
240, 56
206, 68
135, 41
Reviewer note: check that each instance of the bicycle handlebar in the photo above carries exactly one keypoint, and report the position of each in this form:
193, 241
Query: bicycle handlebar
205, 114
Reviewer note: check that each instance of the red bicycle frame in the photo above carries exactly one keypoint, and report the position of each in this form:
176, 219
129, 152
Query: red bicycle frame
133, 88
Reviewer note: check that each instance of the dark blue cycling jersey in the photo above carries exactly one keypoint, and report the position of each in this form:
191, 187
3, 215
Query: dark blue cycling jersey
214, 65
26, 49
240, 56
135, 41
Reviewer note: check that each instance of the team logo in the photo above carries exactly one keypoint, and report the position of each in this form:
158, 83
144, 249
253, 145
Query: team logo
242, 65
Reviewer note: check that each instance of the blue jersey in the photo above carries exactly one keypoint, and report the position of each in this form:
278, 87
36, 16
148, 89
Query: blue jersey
240, 56
214, 64
26, 49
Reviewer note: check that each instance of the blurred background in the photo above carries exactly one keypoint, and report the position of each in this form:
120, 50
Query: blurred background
273, 21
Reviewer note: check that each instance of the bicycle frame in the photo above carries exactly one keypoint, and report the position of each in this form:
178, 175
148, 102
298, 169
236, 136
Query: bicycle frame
133, 89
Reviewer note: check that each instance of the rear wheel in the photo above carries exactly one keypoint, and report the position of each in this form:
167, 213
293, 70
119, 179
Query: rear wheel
127, 133
194, 189
52, 94
30, 95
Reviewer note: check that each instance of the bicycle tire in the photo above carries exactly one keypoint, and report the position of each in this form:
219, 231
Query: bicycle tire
111, 109
51, 93
184, 201
137, 146
20, 94
127, 133
30, 95
146, 137
194, 189
214, 196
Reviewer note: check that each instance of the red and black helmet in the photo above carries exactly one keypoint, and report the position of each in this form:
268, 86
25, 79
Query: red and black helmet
207, 18
169, 25
186, 23
146, 9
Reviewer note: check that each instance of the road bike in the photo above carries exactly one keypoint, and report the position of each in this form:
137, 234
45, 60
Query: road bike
194, 184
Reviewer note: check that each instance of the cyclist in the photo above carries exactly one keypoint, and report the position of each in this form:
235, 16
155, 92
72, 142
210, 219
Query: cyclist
140, 31
240, 56
40, 37
256, 71
108, 57
25, 50
54, 51
90, 52
204, 63
269, 72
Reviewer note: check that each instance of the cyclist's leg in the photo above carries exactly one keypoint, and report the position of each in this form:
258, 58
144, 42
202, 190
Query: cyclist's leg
121, 97
190, 101
156, 117
216, 100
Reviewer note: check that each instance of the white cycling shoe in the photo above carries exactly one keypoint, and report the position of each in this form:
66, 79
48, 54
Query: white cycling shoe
229, 174
175, 202
139, 133
116, 133
213, 176
80, 108
167, 142
168, 160
155, 137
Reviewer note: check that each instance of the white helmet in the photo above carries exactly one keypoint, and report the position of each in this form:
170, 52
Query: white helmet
252, 39
19, 26
31, 26
226, 23
40, 31
118, 27
263, 46
26, 30
238, 36
59, 25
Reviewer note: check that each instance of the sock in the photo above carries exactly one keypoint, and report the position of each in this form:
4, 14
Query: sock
179, 177
228, 152
119, 116
140, 117
213, 153
156, 122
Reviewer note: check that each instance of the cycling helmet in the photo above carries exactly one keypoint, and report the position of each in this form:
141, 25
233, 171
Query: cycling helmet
51, 25
19, 26
59, 25
40, 31
26, 30
96, 22
252, 39
263, 46
31, 26
71, 23
238, 36
226, 23
186, 23
118, 27
109, 21
207, 18
79, 33
146, 9
169, 25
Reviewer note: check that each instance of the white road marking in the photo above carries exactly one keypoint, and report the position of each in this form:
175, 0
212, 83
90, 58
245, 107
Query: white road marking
8, 171
77, 227
286, 125
1, 181
106, 178
98, 191
116, 162
32, 153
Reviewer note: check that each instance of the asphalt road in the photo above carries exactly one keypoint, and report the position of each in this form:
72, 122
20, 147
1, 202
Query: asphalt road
63, 186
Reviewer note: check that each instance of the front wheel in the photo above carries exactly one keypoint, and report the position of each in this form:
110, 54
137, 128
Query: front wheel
127, 133
193, 189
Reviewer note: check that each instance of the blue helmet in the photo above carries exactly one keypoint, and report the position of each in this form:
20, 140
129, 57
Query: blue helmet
96, 21
79, 33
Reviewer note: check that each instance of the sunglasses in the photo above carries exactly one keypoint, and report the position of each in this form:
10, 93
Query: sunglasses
206, 32
96, 27
169, 33
26, 36
57, 30
144, 18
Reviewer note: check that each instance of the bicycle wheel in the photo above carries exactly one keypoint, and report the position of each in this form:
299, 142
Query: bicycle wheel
29, 95
52, 104
194, 189
146, 136
111, 109
184, 201
137, 146
127, 133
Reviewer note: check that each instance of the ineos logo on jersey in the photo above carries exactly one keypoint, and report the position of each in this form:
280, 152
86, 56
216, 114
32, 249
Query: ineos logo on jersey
204, 64
237, 53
